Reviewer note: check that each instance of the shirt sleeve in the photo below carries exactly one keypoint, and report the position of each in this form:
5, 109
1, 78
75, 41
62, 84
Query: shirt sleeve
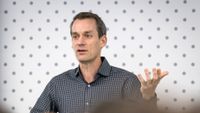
45, 102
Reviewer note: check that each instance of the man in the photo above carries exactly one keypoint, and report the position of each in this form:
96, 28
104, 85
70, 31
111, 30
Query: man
94, 80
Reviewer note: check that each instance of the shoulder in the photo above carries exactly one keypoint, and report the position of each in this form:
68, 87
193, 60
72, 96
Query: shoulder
63, 76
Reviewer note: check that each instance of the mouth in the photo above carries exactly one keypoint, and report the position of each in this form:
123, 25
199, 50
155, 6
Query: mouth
81, 51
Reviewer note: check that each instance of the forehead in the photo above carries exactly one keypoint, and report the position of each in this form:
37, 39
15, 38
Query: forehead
82, 25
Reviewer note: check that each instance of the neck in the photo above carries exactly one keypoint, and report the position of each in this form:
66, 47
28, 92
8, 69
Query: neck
90, 69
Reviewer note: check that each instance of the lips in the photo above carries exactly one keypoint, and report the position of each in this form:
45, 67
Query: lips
81, 51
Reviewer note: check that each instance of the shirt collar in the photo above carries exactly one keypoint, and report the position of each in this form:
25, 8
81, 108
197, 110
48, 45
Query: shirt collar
103, 70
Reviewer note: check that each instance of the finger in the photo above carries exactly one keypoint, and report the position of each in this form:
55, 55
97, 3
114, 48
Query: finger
146, 71
155, 73
163, 74
141, 79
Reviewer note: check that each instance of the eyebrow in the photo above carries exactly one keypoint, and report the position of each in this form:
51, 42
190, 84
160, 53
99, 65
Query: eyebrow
76, 33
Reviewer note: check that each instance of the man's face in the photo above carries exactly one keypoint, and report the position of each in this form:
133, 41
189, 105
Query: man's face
85, 41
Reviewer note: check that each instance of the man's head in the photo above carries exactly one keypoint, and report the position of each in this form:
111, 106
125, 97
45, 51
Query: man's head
100, 26
88, 34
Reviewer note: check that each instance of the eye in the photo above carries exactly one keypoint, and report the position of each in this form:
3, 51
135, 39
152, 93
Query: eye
88, 35
74, 36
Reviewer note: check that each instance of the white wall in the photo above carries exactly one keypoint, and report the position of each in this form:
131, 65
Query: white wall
35, 45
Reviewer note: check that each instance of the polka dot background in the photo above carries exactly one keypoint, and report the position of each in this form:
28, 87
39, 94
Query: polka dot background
35, 45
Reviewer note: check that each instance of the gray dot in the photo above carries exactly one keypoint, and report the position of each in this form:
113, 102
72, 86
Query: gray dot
115, 55
30, 38
193, 28
183, 91
65, 2
6, 11
38, 82
56, 46
183, 108
184, 37
167, 19
22, 11
30, 73
123, 46
82, 3
176, 10
140, 64
185, 1
192, 99
167, 2
158, 10
166, 108
39, 29
150, 2
124, 11
132, 55
175, 82
166, 90
5, 82
13, 73
48, 2
14, 38
141, 28
149, 55
73, 11
56, 64
166, 55
31, 20
30, 55
158, 64
141, 11
183, 73
31, 2
193, 64
13, 108
107, 46
175, 46
175, 64
30, 90
64, 38
39, 64
123, 64
175, 28
193, 10
149, 37
175, 99
48, 20
13, 90
56, 29
183, 55
64, 55
47, 55
47, 73
115, 20
47, 38
5, 46
140, 46
192, 82
124, 29
132, 20
5, 29
14, 20
73, 64
22, 64
14, 3
184, 19
65, 20
107, 11
98, 2
150, 20
158, 28
21, 81
21, 99
4, 99
132, 37
56, 11
115, 2
132, 2
39, 12
39, 46
5, 64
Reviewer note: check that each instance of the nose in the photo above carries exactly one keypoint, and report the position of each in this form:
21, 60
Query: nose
81, 40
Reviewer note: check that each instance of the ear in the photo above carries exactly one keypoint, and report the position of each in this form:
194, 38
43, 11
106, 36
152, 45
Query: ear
103, 41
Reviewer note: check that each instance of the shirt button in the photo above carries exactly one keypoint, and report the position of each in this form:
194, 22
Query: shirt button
88, 85
87, 103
